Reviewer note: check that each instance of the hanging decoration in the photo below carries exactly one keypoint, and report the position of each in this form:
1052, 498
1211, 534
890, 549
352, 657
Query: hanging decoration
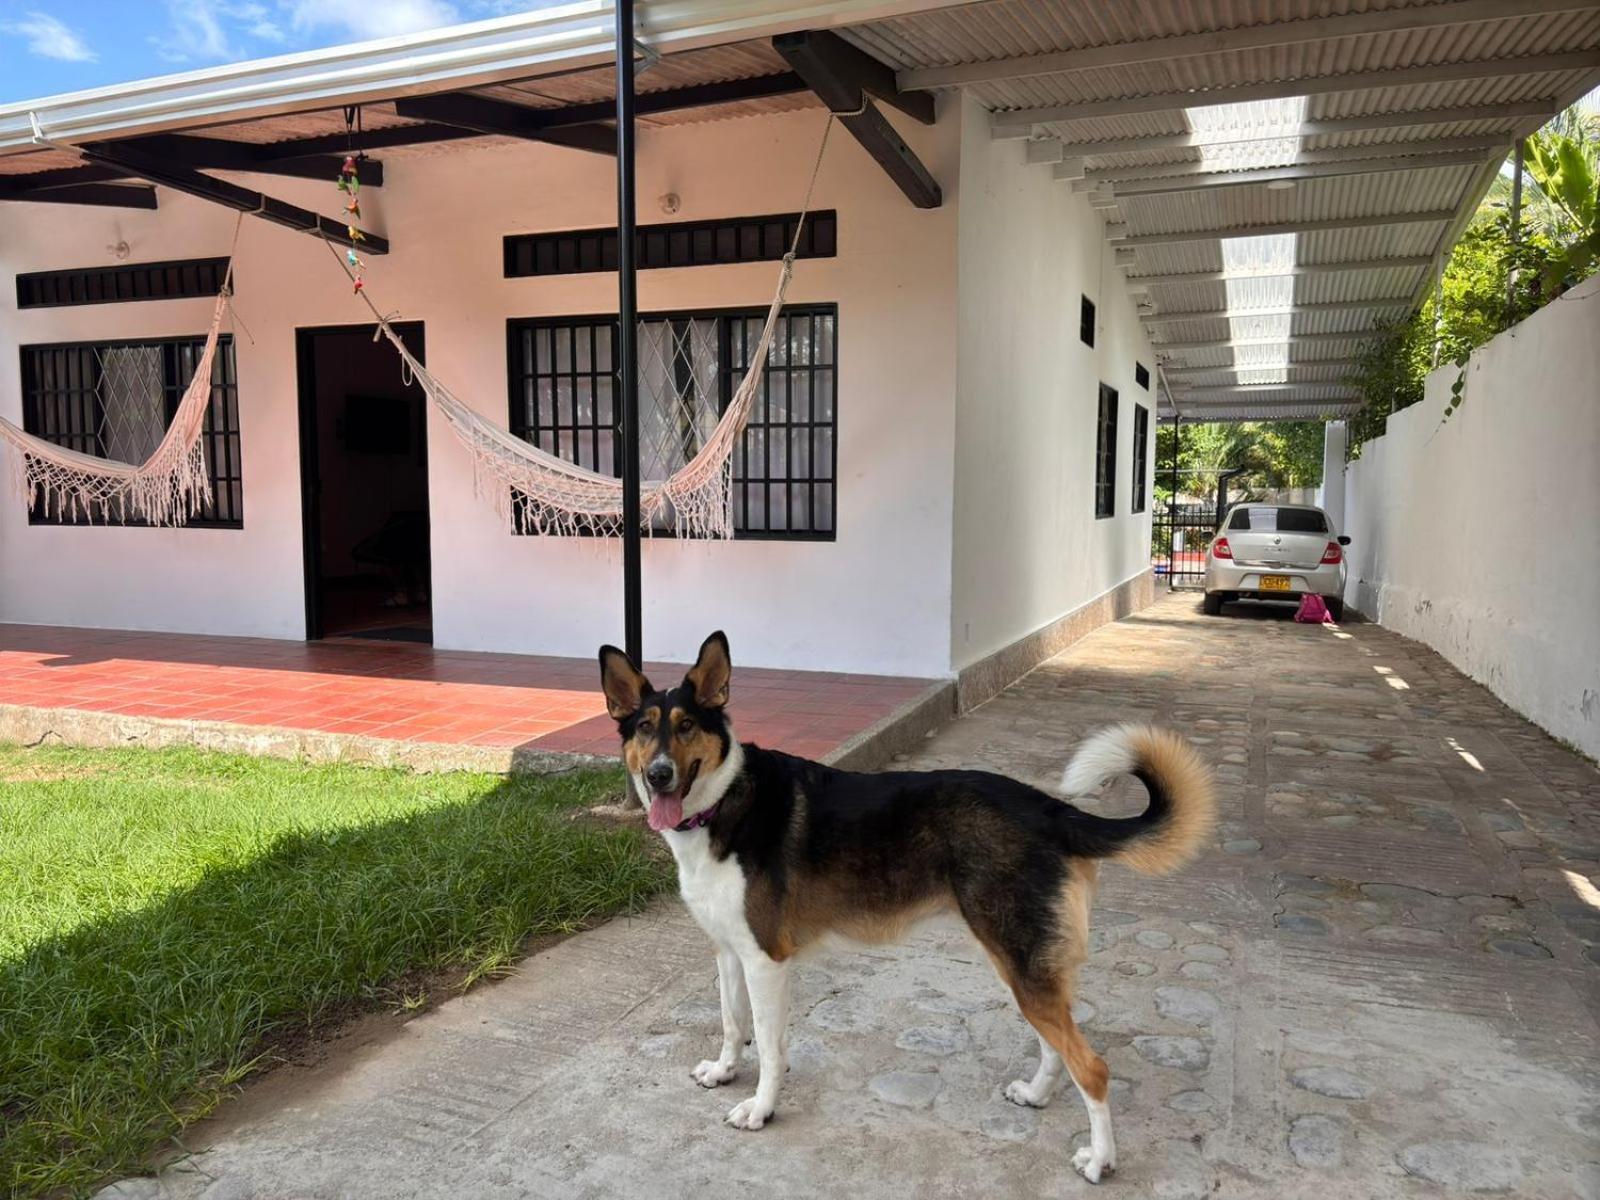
349, 184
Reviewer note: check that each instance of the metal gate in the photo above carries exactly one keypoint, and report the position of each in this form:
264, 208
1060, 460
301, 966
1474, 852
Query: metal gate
1179, 534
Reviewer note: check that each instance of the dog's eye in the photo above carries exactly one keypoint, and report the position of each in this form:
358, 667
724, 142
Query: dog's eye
685, 727
647, 727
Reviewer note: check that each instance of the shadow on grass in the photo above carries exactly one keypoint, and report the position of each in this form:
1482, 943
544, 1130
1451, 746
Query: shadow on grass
116, 1035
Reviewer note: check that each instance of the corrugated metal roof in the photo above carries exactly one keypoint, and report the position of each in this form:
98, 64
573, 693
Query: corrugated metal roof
1006, 29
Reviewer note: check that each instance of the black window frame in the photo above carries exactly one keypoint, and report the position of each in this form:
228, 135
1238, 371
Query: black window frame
719, 242
176, 279
1086, 311
1141, 375
1141, 453
223, 447
1105, 454
728, 319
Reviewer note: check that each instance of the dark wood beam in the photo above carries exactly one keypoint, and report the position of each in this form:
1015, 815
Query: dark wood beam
842, 78
848, 72
230, 195
366, 139
100, 195
502, 118
216, 154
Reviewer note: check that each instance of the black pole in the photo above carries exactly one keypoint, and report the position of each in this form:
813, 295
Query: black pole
1172, 502
627, 342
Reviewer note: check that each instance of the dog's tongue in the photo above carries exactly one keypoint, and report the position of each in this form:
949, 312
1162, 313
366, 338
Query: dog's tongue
666, 810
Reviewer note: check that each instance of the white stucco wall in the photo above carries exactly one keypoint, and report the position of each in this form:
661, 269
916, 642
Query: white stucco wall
876, 599
1028, 548
1480, 537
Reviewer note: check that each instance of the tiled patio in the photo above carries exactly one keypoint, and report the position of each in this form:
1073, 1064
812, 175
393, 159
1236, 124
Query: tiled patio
405, 692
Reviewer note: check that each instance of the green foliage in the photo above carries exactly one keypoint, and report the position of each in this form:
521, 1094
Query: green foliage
1275, 453
163, 915
1493, 279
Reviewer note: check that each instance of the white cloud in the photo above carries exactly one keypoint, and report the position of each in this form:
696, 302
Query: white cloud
195, 33
49, 38
361, 19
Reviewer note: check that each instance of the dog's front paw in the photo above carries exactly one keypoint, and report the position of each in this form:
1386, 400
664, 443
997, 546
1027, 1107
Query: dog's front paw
713, 1073
750, 1114
1021, 1091
1093, 1166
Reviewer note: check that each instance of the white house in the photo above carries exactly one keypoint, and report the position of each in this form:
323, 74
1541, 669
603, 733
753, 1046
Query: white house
962, 467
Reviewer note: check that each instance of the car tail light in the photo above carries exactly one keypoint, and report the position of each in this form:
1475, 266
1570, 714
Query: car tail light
1221, 549
1333, 554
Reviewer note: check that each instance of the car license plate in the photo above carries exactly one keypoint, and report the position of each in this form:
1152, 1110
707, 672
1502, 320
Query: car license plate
1274, 583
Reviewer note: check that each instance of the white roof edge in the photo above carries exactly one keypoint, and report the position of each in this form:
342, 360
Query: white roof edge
566, 38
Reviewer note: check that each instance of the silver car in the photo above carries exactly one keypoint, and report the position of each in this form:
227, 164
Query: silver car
1275, 552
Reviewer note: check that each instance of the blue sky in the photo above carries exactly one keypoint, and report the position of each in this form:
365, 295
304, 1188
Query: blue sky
51, 46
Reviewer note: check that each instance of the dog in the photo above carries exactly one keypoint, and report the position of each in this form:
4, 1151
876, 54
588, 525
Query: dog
776, 853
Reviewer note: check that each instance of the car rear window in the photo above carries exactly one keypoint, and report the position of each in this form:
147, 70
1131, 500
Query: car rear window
1270, 519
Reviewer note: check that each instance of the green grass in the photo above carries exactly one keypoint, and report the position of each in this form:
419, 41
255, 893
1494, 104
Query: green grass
163, 914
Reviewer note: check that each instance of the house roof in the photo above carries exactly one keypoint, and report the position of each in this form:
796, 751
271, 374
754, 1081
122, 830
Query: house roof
1278, 176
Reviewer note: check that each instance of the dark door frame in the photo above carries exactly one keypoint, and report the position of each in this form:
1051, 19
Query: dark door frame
412, 333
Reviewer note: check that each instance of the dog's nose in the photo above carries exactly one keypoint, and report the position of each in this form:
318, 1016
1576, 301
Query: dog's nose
659, 774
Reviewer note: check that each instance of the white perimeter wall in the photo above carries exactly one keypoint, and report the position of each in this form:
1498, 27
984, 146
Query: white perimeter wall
1481, 537
1028, 548
877, 599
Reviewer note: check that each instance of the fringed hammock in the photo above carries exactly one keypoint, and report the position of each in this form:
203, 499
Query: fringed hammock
167, 488
534, 490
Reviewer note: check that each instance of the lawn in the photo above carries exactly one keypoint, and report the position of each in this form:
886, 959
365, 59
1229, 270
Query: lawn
165, 915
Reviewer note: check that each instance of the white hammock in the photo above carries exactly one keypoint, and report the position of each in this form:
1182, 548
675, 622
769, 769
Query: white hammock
537, 491
167, 488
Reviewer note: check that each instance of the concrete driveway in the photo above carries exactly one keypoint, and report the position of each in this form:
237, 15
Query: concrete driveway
1384, 981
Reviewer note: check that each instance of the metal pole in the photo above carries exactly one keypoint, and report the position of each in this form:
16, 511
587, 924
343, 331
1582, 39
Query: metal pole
1172, 502
627, 341
1516, 222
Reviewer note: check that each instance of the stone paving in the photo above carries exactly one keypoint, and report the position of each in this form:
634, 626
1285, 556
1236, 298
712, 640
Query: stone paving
1384, 981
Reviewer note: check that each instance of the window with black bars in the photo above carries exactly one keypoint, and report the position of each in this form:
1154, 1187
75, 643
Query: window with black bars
679, 244
564, 400
1086, 321
1105, 455
115, 400
1141, 375
1141, 446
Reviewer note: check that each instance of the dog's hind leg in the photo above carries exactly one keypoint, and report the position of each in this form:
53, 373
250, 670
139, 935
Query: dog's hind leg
1036, 1092
735, 1022
768, 982
1052, 1016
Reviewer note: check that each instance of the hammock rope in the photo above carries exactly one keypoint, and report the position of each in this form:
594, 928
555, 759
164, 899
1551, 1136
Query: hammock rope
535, 490
167, 488
540, 492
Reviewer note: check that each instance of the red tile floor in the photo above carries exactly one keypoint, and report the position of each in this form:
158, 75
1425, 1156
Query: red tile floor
403, 691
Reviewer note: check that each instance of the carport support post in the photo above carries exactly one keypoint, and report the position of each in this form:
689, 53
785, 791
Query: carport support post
627, 341
1516, 224
1334, 437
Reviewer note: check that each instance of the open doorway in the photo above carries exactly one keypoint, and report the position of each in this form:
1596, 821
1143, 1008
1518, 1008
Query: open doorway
364, 486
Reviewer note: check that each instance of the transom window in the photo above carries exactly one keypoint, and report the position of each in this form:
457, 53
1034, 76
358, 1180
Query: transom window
115, 400
564, 399
1141, 446
1105, 455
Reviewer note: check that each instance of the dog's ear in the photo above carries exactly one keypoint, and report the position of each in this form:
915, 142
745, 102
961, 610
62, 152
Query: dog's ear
624, 686
711, 672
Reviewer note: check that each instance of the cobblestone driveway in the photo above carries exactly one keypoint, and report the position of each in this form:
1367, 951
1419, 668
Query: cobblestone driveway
1384, 982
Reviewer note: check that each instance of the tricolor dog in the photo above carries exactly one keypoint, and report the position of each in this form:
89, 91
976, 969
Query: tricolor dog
775, 853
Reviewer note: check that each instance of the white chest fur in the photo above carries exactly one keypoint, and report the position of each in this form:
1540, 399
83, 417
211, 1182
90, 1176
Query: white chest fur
712, 890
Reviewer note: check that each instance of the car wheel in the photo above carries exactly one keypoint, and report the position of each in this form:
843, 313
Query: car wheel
1212, 604
1335, 607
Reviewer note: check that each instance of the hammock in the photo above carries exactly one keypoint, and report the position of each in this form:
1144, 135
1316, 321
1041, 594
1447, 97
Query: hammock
167, 488
535, 490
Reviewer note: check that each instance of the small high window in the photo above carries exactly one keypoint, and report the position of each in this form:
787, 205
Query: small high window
1086, 321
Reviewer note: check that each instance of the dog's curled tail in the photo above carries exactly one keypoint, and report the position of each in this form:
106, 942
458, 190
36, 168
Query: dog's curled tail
1183, 800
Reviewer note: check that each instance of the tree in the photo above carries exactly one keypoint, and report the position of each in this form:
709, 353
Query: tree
1275, 453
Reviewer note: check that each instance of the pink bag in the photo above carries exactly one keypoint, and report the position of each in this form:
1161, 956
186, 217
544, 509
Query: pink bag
1312, 610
